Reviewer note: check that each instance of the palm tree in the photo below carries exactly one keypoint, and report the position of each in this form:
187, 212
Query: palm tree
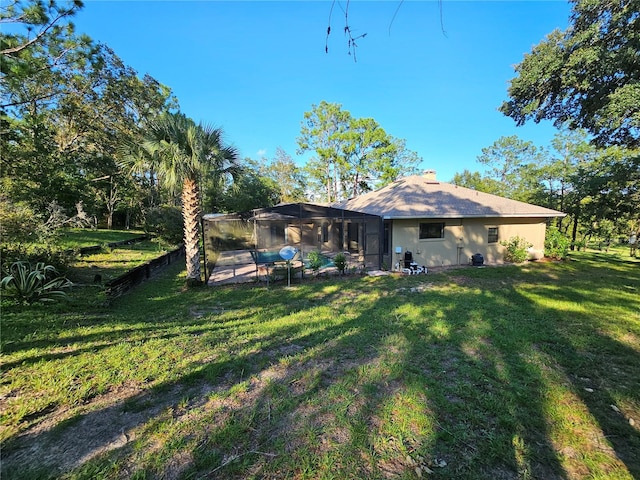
181, 153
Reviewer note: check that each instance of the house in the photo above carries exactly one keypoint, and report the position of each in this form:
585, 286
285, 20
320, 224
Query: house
444, 224
439, 223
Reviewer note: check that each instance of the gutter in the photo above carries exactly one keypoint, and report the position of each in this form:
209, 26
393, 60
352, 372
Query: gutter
437, 217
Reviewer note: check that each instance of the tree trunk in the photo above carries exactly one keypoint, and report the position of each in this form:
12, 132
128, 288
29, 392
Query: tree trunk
191, 218
111, 200
561, 208
574, 232
356, 181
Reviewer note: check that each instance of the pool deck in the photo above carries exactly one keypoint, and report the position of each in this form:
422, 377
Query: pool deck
238, 266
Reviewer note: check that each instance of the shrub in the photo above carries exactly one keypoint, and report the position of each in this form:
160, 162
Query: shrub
580, 245
18, 222
166, 222
556, 244
340, 261
57, 257
516, 249
315, 260
27, 284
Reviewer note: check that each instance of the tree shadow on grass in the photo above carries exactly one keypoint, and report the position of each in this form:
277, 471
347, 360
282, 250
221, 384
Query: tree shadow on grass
390, 381
601, 371
70, 346
488, 402
531, 362
107, 431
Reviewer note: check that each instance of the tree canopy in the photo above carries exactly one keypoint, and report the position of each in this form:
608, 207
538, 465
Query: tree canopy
587, 76
598, 188
40, 51
67, 106
354, 155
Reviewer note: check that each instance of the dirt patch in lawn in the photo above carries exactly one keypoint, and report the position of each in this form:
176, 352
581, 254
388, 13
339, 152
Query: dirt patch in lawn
68, 437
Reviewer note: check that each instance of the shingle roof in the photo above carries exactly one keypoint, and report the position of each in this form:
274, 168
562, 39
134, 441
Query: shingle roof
419, 197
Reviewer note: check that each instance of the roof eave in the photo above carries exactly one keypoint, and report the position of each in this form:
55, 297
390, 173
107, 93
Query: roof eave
513, 215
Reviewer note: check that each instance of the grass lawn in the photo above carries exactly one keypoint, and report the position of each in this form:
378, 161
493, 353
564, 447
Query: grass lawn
513, 372
112, 262
85, 237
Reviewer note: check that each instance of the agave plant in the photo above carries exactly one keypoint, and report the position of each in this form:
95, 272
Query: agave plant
27, 284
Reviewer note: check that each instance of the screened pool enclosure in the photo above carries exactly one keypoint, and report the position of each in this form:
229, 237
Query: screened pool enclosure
245, 247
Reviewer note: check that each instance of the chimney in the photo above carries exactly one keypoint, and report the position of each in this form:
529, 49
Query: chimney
429, 175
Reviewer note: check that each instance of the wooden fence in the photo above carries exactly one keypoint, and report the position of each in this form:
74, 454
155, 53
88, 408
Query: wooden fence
140, 274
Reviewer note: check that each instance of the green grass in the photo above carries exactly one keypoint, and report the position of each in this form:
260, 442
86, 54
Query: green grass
84, 237
528, 371
110, 263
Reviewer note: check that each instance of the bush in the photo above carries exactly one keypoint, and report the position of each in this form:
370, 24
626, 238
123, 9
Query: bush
18, 222
516, 249
315, 260
28, 283
166, 222
60, 259
340, 261
556, 245
580, 245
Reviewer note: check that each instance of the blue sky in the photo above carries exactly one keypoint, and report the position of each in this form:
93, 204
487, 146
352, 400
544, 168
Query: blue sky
254, 68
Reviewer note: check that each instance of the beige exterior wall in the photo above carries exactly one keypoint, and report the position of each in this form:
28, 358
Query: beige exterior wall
463, 238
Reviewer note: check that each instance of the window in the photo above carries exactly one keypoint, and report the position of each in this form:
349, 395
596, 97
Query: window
493, 235
431, 230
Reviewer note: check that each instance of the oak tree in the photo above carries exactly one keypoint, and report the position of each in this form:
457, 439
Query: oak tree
587, 76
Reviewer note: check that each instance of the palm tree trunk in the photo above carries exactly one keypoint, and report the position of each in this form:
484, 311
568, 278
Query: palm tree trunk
191, 218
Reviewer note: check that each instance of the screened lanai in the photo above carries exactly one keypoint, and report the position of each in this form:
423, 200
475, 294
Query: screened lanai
245, 246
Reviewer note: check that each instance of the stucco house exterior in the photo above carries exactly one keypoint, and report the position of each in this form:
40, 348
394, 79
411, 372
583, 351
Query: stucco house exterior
439, 223
444, 224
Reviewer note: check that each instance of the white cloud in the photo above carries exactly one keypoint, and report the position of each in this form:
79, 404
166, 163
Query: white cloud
262, 152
